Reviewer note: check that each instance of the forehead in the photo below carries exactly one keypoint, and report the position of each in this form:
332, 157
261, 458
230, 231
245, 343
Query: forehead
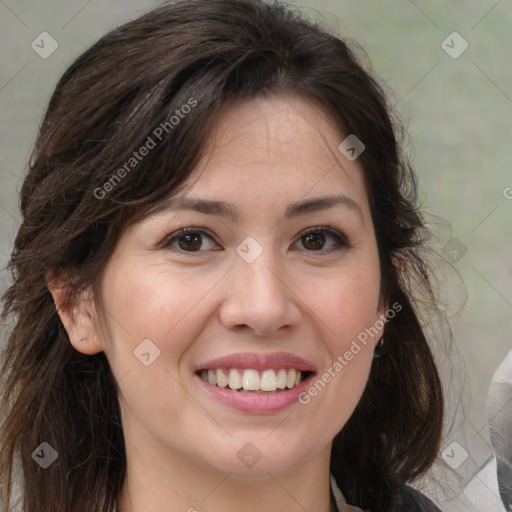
275, 146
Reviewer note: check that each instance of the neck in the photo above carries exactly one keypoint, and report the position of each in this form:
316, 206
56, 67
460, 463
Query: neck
158, 481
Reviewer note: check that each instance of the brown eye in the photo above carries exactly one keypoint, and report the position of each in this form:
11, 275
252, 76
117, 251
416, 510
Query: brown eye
323, 239
190, 240
313, 241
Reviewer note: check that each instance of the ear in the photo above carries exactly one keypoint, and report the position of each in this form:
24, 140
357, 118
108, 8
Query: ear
79, 319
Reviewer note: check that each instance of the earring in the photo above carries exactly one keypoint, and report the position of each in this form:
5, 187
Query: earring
82, 340
379, 344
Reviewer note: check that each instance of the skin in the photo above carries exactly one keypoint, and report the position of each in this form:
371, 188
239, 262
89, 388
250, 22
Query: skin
182, 445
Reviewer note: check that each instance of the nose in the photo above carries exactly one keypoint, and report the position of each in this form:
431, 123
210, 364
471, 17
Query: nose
259, 298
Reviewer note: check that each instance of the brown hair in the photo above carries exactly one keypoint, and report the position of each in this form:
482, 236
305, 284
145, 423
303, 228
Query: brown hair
106, 105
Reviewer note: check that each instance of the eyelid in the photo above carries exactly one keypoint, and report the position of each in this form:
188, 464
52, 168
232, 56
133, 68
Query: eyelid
325, 228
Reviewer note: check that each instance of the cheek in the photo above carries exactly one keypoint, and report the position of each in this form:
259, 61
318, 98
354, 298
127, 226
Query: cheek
166, 308
348, 306
152, 303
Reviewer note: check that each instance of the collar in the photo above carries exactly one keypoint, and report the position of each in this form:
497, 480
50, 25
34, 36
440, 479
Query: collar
339, 499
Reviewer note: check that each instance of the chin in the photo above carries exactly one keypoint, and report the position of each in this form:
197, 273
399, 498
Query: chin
259, 456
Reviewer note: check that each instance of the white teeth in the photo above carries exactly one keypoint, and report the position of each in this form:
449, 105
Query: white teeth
268, 380
290, 381
235, 381
281, 379
212, 377
222, 380
253, 380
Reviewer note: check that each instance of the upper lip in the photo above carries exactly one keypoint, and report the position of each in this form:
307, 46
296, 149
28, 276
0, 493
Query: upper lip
258, 362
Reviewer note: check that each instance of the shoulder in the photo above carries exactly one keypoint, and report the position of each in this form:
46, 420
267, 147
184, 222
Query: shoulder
411, 500
405, 499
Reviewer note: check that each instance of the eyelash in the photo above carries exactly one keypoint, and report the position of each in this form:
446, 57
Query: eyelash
341, 243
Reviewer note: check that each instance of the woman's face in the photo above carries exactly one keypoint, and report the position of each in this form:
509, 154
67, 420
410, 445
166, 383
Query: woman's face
278, 270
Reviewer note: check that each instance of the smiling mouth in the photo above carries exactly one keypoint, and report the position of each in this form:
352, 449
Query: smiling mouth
252, 381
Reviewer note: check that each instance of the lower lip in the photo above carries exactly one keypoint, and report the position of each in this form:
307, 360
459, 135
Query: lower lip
256, 404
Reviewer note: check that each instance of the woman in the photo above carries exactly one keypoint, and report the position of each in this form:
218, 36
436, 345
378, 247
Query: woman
211, 291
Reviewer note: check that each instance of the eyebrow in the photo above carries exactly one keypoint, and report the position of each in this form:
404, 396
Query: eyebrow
224, 209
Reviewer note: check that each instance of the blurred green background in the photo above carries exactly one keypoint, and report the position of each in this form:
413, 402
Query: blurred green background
458, 113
